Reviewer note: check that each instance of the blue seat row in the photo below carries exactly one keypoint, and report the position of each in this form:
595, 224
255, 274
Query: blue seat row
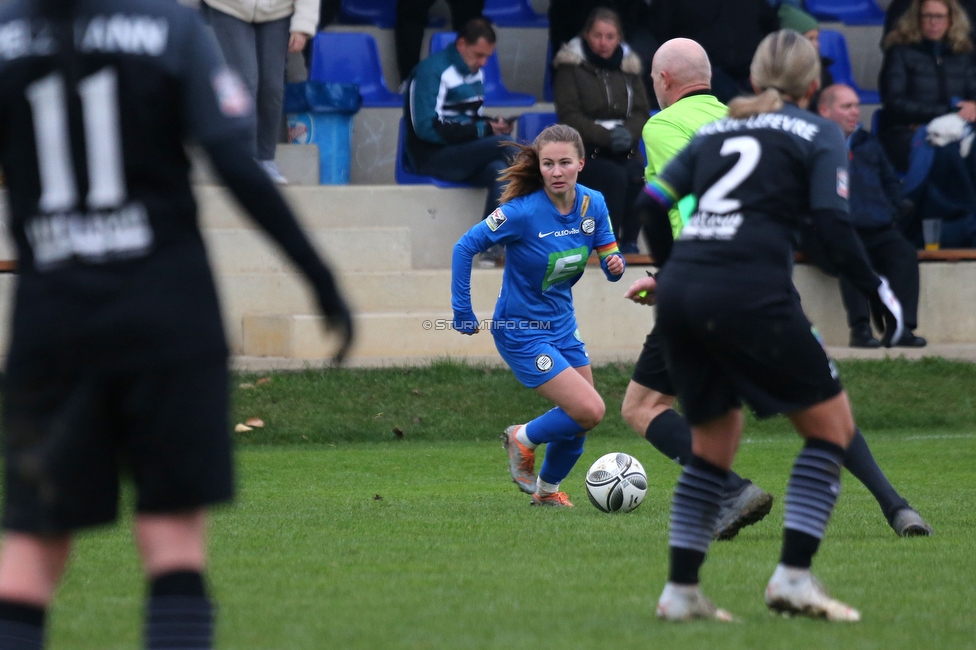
353, 57
849, 12
382, 13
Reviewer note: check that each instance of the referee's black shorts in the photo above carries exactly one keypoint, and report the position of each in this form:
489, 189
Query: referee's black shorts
651, 370
727, 344
71, 433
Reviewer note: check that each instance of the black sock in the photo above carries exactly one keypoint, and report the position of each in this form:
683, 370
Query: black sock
21, 626
179, 613
694, 514
860, 462
811, 493
670, 434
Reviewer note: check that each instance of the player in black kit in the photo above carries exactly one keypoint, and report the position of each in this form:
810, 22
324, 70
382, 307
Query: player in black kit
118, 360
732, 325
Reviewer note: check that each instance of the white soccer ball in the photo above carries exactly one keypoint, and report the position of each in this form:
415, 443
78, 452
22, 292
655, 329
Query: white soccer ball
616, 482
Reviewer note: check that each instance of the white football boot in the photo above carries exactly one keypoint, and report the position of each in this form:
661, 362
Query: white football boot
796, 591
687, 603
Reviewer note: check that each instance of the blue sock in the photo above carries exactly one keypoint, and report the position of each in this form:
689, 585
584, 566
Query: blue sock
21, 626
179, 614
553, 425
561, 456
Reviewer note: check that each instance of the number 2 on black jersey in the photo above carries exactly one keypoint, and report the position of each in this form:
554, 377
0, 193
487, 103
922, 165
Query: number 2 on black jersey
715, 200
103, 143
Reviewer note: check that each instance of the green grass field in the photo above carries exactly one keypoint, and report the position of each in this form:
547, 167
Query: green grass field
347, 536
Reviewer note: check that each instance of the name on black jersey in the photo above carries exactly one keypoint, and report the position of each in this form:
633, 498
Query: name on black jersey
145, 35
92, 238
777, 121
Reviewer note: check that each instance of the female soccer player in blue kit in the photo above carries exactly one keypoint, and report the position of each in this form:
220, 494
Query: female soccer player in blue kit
548, 225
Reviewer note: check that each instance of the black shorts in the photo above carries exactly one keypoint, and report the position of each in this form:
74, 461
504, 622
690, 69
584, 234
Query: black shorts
742, 343
69, 436
651, 370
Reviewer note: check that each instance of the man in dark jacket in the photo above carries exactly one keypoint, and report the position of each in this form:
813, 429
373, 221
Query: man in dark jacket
875, 194
730, 32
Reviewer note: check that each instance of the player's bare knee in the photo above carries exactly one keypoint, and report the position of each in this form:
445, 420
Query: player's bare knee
591, 413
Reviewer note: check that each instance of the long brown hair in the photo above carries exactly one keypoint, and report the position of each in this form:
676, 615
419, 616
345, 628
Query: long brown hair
785, 64
908, 29
523, 175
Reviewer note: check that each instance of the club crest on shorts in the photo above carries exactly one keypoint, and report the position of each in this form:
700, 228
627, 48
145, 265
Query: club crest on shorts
543, 362
588, 225
495, 220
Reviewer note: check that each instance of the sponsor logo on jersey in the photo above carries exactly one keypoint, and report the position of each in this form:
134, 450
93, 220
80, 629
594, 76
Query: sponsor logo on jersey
588, 225
543, 362
567, 232
545, 234
843, 183
585, 205
495, 220
232, 96
565, 265
705, 225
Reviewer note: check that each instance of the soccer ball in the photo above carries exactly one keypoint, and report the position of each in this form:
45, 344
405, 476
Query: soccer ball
616, 482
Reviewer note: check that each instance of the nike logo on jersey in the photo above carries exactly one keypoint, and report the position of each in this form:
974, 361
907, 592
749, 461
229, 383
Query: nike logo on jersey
559, 233
545, 234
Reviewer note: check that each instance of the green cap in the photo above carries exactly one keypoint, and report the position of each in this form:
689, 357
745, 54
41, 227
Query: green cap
796, 19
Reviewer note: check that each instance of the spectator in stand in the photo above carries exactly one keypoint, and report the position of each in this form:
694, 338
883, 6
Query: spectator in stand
897, 9
929, 70
255, 39
791, 17
411, 19
598, 91
875, 203
448, 135
730, 32
568, 17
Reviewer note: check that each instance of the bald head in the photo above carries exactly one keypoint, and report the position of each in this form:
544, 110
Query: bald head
680, 66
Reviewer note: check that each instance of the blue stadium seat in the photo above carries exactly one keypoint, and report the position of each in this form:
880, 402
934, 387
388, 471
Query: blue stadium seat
849, 12
405, 177
352, 57
514, 13
496, 94
833, 45
532, 124
381, 13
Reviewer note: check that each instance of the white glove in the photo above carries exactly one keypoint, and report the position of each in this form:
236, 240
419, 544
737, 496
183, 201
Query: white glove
946, 129
894, 321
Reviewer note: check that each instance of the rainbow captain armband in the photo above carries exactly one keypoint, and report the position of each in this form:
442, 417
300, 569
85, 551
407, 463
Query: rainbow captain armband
661, 192
606, 251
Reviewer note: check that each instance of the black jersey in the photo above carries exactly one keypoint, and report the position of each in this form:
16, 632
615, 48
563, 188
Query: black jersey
755, 179
112, 266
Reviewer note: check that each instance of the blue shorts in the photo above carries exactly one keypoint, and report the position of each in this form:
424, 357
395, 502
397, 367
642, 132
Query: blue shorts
536, 361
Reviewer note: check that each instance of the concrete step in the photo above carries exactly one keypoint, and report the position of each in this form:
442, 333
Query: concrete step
299, 163
367, 292
435, 217
416, 332
239, 250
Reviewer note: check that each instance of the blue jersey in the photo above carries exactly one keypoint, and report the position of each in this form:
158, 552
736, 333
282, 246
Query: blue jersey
545, 254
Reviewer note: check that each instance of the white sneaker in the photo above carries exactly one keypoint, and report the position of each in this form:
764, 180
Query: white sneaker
271, 168
796, 591
687, 603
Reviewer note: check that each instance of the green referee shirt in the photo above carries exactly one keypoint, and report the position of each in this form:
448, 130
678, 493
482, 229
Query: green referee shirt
668, 131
